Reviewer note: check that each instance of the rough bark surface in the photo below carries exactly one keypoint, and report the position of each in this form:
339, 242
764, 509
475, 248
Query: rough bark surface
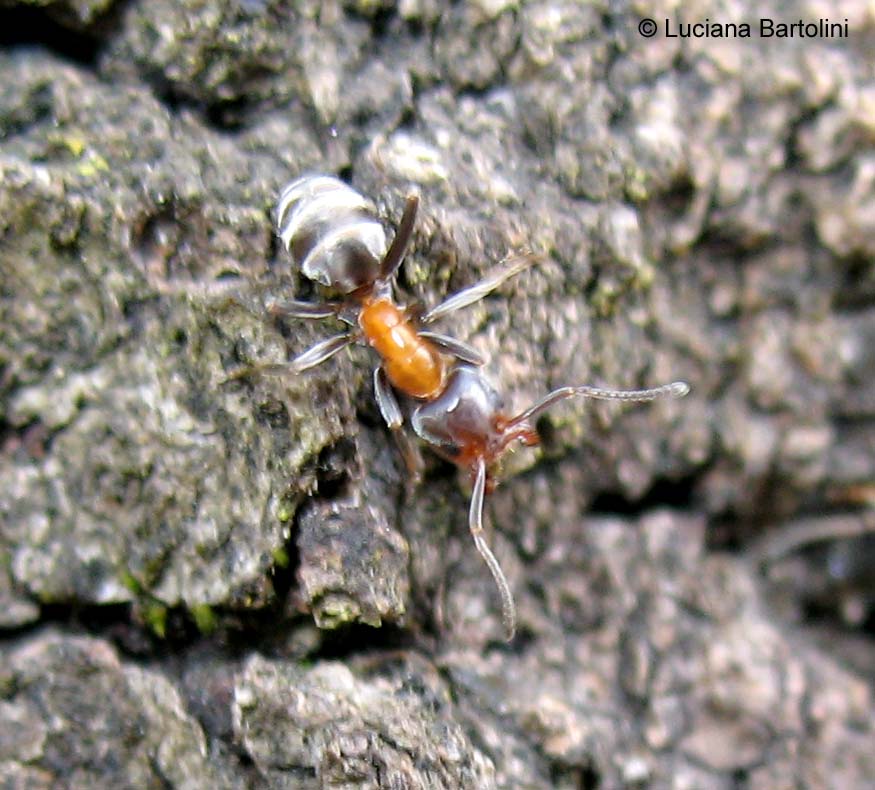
210, 577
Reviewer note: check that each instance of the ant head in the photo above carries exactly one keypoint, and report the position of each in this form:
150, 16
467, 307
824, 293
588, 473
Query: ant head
466, 422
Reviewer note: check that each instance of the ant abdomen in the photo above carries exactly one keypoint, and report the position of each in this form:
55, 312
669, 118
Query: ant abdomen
332, 232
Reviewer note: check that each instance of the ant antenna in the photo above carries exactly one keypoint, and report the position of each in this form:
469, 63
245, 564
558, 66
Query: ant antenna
677, 389
475, 523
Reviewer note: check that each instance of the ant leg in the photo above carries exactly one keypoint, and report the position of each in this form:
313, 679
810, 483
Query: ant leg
320, 352
386, 400
309, 359
391, 412
266, 369
515, 264
475, 523
455, 348
196, 289
395, 254
326, 348
295, 309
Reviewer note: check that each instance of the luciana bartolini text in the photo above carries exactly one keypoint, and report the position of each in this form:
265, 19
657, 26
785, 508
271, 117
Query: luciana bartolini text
766, 28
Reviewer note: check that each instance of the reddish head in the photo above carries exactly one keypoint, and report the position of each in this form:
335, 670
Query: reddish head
466, 423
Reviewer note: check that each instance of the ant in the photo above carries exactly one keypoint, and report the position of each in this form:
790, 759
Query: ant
333, 235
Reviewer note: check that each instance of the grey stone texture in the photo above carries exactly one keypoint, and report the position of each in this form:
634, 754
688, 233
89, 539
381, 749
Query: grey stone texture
216, 577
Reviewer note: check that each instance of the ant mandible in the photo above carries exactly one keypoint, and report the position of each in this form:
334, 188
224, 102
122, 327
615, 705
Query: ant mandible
333, 235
